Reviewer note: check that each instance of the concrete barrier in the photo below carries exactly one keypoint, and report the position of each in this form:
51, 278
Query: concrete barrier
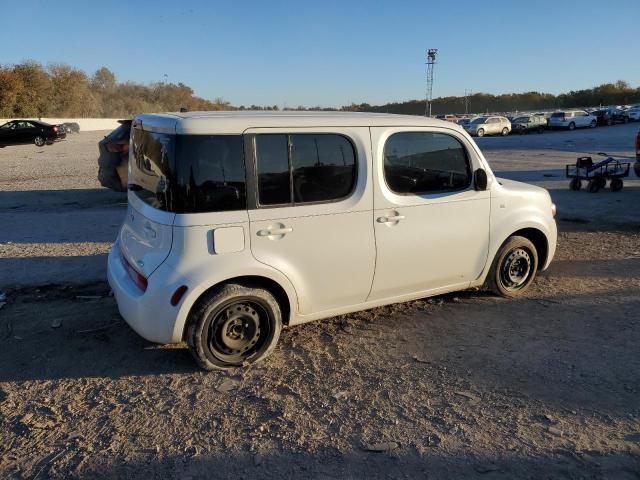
86, 124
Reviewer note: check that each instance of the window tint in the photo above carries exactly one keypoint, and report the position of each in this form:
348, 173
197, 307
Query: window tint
323, 167
304, 168
188, 173
419, 162
209, 173
272, 159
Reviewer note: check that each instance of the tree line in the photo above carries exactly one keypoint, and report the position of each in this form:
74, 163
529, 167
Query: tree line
29, 89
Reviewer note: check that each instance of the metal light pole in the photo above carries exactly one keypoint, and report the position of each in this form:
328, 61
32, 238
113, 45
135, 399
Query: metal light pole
431, 61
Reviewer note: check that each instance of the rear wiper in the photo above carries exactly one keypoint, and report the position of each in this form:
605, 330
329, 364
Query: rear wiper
134, 187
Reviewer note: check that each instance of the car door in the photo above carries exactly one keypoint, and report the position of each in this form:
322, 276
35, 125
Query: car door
431, 226
29, 131
7, 132
311, 216
494, 125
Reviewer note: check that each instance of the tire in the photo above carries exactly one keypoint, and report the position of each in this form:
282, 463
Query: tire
575, 184
609, 122
616, 184
233, 326
480, 132
572, 126
514, 268
594, 186
593, 124
626, 120
39, 141
505, 132
540, 130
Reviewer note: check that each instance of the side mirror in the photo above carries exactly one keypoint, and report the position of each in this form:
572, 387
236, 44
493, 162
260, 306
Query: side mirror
480, 179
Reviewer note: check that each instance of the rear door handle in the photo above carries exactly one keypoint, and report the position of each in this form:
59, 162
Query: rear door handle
395, 218
274, 231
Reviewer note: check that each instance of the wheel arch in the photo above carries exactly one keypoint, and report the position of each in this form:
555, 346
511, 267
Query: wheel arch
285, 300
539, 240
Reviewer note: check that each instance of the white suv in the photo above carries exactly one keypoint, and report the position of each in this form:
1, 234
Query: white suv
241, 223
493, 125
572, 119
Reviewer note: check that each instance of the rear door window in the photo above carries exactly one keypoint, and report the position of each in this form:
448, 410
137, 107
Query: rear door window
304, 168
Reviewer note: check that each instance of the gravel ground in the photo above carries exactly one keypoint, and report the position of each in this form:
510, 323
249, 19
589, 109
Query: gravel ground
458, 386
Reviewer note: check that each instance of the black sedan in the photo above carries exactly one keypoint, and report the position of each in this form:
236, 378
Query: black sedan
17, 132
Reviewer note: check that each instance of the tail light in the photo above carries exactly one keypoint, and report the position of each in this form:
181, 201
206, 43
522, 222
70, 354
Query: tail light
118, 147
55, 129
139, 279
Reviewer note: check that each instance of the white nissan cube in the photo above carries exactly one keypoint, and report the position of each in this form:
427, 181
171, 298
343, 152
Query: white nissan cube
242, 223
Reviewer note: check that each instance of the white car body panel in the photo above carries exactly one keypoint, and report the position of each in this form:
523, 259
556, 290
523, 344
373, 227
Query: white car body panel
337, 258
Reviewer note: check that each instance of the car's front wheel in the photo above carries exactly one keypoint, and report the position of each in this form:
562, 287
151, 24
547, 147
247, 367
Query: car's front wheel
233, 326
39, 141
572, 126
505, 132
593, 124
513, 268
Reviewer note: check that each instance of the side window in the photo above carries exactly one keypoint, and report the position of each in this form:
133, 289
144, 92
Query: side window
272, 158
323, 167
304, 168
422, 162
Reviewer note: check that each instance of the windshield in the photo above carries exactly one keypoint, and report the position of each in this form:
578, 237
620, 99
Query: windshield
188, 173
479, 120
520, 120
558, 115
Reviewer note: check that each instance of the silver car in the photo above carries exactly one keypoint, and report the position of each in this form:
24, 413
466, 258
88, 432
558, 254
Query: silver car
489, 125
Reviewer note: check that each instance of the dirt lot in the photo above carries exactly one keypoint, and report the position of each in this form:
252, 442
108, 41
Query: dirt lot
459, 386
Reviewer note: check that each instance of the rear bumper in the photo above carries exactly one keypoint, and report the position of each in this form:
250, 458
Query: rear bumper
150, 313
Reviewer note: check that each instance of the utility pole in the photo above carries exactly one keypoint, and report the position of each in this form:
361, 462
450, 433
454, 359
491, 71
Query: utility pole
431, 61
467, 94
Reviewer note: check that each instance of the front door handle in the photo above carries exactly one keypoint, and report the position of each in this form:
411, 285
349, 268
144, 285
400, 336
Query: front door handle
274, 231
395, 218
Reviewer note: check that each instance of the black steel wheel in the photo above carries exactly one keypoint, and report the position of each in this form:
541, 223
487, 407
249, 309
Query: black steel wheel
616, 184
514, 267
575, 184
234, 326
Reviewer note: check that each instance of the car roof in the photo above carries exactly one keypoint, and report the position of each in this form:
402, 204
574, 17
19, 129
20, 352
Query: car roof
235, 122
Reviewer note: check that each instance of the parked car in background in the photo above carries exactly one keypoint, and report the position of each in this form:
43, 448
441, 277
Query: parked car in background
71, 127
239, 225
18, 132
528, 123
609, 116
489, 125
572, 119
464, 122
633, 113
114, 155
448, 118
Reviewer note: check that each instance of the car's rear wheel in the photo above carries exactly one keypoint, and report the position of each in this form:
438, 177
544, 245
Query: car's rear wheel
572, 126
505, 131
593, 124
513, 268
39, 141
233, 326
480, 132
